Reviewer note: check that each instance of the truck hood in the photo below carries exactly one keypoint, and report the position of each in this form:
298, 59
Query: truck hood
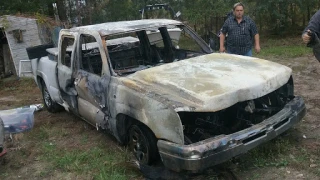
210, 82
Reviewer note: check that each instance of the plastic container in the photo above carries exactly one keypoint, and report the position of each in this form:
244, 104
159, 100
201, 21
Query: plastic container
17, 120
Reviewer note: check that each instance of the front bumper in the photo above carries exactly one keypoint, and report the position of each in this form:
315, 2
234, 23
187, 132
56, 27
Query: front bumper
198, 156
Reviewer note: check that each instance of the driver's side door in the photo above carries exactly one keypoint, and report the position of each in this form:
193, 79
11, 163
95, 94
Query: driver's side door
91, 81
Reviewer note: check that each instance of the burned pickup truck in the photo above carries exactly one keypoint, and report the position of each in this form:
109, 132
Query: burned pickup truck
157, 87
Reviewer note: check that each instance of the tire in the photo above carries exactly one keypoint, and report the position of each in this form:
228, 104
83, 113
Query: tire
143, 144
49, 104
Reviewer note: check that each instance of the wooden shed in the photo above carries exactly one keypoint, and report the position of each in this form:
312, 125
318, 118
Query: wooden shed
16, 34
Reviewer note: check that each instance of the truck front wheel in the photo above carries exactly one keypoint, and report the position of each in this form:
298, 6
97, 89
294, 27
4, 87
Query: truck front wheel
143, 144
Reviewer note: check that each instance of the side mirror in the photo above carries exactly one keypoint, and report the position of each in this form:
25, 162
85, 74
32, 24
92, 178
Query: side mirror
178, 14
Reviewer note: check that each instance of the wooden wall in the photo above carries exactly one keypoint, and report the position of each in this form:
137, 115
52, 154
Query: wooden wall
27, 29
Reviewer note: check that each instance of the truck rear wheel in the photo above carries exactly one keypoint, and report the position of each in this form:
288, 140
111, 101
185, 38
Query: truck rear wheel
49, 104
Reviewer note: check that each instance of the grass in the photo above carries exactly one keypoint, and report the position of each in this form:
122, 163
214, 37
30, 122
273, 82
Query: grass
22, 89
96, 162
68, 147
283, 48
72, 148
283, 151
287, 51
271, 154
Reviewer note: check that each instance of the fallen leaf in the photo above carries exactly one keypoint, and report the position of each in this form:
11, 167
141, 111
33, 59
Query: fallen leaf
299, 175
313, 165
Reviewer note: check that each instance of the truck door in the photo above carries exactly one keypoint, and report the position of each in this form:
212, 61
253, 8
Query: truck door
66, 58
92, 81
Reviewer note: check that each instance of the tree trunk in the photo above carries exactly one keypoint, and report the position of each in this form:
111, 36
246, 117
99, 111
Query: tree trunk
292, 15
50, 10
88, 11
61, 10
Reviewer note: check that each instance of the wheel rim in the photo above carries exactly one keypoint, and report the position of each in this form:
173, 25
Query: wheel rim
47, 98
139, 145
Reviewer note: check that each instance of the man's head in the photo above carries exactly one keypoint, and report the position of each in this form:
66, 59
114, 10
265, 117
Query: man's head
238, 10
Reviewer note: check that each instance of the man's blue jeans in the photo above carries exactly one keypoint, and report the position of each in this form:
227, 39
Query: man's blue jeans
249, 53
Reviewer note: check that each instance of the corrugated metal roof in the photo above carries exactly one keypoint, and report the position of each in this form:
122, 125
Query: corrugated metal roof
126, 26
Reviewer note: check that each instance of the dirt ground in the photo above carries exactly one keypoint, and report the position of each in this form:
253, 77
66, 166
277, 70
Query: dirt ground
294, 155
304, 146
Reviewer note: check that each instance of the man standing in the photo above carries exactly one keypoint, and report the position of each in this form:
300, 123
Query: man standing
240, 31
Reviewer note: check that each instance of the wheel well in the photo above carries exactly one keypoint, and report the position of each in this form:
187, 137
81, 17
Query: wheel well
40, 82
123, 124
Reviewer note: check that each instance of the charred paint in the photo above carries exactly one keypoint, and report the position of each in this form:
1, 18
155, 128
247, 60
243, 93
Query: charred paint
215, 150
105, 29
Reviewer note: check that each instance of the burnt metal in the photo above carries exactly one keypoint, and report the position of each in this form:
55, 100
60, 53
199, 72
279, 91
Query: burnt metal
111, 28
202, 125
127, 59
168, 46
218, 149
201, 42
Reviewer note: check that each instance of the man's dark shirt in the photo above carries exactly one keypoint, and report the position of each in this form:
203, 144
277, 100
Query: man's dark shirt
314, 24
240, 36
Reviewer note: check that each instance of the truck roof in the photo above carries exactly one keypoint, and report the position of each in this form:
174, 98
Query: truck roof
126, 26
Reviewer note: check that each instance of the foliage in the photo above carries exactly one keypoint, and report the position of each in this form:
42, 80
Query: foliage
4, 22
30, 6
272, 16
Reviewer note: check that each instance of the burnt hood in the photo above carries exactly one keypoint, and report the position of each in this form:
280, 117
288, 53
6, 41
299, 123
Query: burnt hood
211, 82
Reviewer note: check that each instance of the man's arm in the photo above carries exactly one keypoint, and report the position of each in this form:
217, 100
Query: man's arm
257, 43
314, 26
224, 30
222, 38
255, 34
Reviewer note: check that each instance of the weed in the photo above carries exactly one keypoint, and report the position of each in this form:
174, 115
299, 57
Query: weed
10, 88
255, 176
84, 138
103, 164
273, 153
43, 133
282, 48
289, 51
